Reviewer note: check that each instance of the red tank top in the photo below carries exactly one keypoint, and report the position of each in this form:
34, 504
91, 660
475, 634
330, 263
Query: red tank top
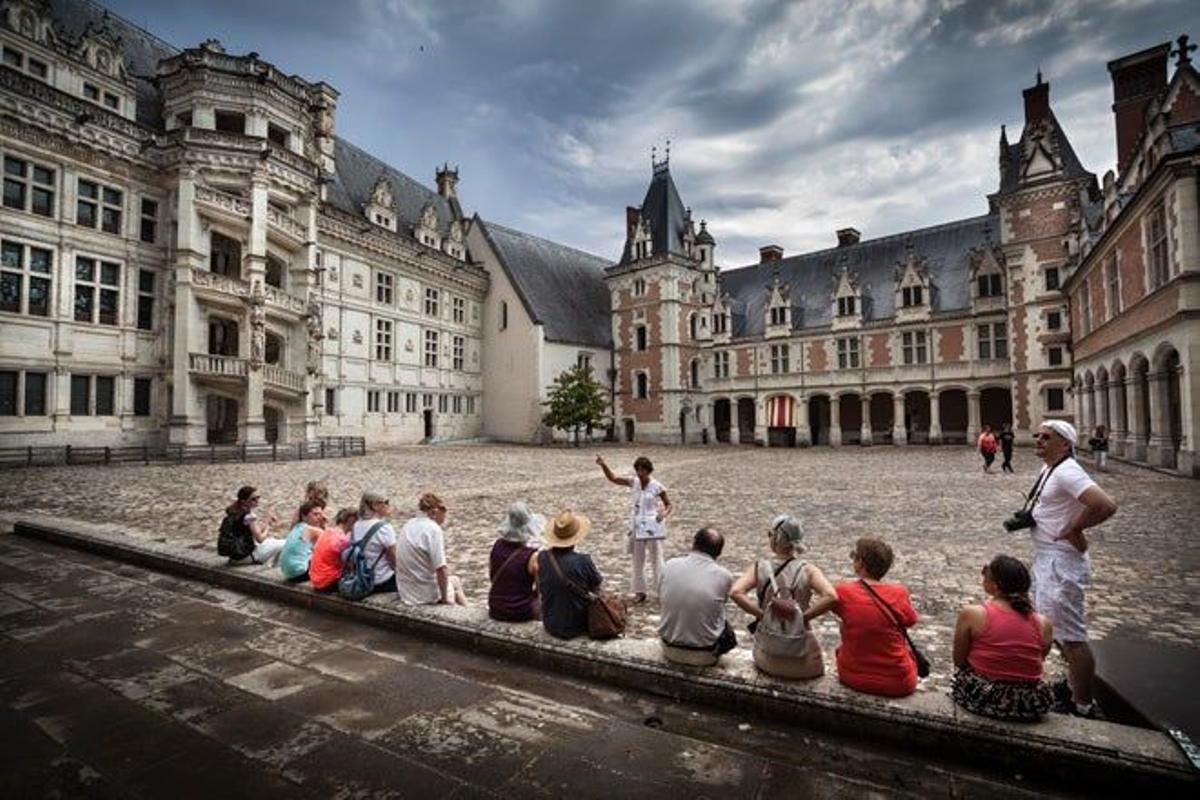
1010, 646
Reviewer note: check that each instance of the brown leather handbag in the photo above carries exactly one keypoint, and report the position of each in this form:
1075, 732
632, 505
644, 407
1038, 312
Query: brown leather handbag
606, 613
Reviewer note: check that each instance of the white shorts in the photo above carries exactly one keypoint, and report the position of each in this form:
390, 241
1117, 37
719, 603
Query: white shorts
1059, 581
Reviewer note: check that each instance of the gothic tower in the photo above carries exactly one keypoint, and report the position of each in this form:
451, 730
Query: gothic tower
661, 292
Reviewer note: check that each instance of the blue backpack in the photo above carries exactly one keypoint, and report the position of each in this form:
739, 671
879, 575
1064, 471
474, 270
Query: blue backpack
358, 577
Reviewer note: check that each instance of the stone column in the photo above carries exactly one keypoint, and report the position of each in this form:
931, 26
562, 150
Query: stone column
865, 437
1116, 410
187, 421
1160, 449
972, 416
256, 262
835, 421
1102, 407
760, 421
935, 419
1135, 439
899, 432
803, 429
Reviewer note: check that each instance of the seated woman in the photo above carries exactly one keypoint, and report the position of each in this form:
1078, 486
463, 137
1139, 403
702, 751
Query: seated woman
247, 521
314, 492
782, 606
999, 648
326, 565
565, 577
298, 547
874, 656
513, 568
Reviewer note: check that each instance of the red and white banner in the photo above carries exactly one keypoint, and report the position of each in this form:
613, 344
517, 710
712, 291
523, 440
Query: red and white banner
779, 412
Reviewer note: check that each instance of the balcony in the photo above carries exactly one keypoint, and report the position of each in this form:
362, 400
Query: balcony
224, 287
277, 377
231, 368
283, 225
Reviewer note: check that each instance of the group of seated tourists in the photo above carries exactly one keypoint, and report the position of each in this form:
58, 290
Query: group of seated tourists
536, 572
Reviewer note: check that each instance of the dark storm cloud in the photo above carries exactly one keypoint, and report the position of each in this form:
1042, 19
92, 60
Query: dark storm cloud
787, 118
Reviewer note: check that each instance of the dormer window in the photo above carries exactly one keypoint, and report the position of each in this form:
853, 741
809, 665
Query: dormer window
777, 315
990, 285
720, 322
847, 306
912, 296
639, 287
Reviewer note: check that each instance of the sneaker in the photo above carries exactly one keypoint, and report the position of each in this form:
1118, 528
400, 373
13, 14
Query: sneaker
1089, 711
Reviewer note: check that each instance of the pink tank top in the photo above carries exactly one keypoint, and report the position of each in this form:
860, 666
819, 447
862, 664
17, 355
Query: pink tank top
1009, 648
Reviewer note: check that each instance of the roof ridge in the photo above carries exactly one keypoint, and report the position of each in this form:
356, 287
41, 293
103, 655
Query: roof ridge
387, 166
493, 224
134, 25
888, 238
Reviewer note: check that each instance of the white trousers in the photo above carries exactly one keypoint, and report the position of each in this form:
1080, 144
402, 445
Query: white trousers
265, 552
643, 549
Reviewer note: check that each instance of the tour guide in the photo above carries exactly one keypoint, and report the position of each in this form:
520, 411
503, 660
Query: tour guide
1069, 503
647, 529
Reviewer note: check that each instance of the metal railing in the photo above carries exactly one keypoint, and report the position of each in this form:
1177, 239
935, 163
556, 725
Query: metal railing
75, 455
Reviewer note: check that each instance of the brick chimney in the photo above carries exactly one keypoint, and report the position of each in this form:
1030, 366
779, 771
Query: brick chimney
1136, 79
769, 252
848, 236
1037, 101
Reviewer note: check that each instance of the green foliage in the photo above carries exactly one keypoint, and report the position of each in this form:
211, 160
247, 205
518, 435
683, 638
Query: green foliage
576, 402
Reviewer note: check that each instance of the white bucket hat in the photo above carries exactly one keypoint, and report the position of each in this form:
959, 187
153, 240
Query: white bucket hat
522, 525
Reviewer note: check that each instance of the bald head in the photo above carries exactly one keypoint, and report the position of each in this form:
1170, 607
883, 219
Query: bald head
709, 542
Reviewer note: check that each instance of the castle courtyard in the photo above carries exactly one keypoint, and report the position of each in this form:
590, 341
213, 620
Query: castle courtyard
935, 506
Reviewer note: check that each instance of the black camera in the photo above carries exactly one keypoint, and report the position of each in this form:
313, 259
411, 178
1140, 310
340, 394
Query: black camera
1019, 520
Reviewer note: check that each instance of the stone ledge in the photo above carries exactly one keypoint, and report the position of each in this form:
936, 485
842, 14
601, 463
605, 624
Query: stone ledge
1064, 750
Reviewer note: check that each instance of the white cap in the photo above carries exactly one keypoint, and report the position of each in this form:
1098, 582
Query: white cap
1064, 429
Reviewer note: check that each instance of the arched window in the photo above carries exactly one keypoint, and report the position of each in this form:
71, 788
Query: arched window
696, 374
503, 315
640, 338
692, 326
642, 390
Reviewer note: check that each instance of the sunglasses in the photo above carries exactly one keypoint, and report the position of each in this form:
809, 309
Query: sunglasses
1042, 437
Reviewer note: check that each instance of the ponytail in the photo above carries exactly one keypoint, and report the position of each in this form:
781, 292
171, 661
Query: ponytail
1012, 580
1020, 602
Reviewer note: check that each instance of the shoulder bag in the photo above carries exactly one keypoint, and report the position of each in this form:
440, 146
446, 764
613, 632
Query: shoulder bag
918, 656
605, 612
358, 577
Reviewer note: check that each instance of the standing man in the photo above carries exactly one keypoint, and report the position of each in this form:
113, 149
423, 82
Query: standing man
1067, 503
647, 529
1006, 447
694, 590
422, 575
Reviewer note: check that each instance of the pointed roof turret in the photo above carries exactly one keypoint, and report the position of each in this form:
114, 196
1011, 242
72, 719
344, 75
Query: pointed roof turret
662, 212
1043, 152
704, 237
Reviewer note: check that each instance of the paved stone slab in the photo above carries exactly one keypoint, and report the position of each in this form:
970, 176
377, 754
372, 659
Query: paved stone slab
274, 680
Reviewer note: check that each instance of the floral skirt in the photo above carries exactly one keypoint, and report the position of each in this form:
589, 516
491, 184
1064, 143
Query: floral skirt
1021, 701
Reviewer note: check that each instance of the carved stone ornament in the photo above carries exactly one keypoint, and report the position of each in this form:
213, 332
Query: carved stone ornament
408, 345
381, 195
333, 274
332, 334
357, 281
456, 232
408, 295
357, 337
258, 342
429, 217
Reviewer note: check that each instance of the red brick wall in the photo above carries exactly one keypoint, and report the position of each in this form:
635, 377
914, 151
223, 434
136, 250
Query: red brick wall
744, 361
1187, 106
950, 347
1150, 312
818, 360
1043, 221
630, 361
877, 349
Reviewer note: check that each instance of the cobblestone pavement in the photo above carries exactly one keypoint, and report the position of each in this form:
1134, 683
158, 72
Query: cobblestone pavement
934, 505
119, 682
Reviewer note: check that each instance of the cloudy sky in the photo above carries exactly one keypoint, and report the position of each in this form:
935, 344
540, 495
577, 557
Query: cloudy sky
787, 120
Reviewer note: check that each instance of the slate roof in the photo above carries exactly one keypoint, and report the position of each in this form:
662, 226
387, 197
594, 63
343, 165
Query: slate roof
1072, 168
357, 172
561, 288
944, 248
665, 213
142, 49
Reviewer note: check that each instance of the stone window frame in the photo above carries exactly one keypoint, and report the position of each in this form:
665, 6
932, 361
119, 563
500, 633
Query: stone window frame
1112, 283
1054, 356
721, 364
914, 347
106, 204
432, 341
1047, 395
641, 337
140, 408
849, 352
458, 309
373, 401
641, 385
148, 226
458, 350
94, 385
639, 287
34, 180
1158, 246
147, 285
99, 288
456, 404
1051, 279
410, 402
384, 339
433, 299
331, 401
694, 373
385, 288
21, 392
393, 401
1055, 315
780, 359
1085, 306
991, 338
26, 275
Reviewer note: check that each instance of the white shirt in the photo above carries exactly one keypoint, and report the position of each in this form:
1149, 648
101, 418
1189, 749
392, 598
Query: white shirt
645, 523
1058, 505
383, 539
692, 598
420, 552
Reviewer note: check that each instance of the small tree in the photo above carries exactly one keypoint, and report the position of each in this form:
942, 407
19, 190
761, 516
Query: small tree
576, 401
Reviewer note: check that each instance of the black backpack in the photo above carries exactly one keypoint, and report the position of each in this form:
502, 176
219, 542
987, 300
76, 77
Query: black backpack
235, 540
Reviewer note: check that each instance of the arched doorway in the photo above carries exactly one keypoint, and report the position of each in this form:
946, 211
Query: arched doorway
883, 409
916, 417
1142, 375
1118, 410
222, 336
818, 418
722, 419
952, 412
1103, 409
1170, 395
629, 428
850, 418
995, 407
273, 349
745, 411
221, 419
781, 425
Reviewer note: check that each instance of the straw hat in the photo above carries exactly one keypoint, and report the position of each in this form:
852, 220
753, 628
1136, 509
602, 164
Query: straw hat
567, 529
522, 525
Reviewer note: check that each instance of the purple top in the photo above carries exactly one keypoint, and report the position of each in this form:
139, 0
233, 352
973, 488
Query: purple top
512, 597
